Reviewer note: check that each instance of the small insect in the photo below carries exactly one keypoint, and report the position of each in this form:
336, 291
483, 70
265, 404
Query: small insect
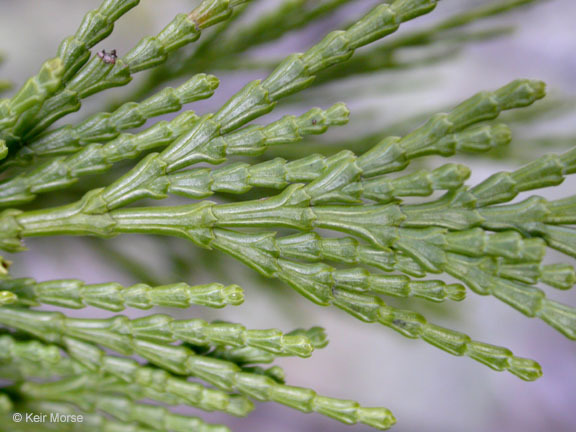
314, 122
108, 58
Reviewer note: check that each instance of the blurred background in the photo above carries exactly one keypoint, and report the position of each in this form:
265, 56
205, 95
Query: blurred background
427, 389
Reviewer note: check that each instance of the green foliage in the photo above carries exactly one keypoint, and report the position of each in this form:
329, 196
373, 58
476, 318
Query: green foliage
273, 214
